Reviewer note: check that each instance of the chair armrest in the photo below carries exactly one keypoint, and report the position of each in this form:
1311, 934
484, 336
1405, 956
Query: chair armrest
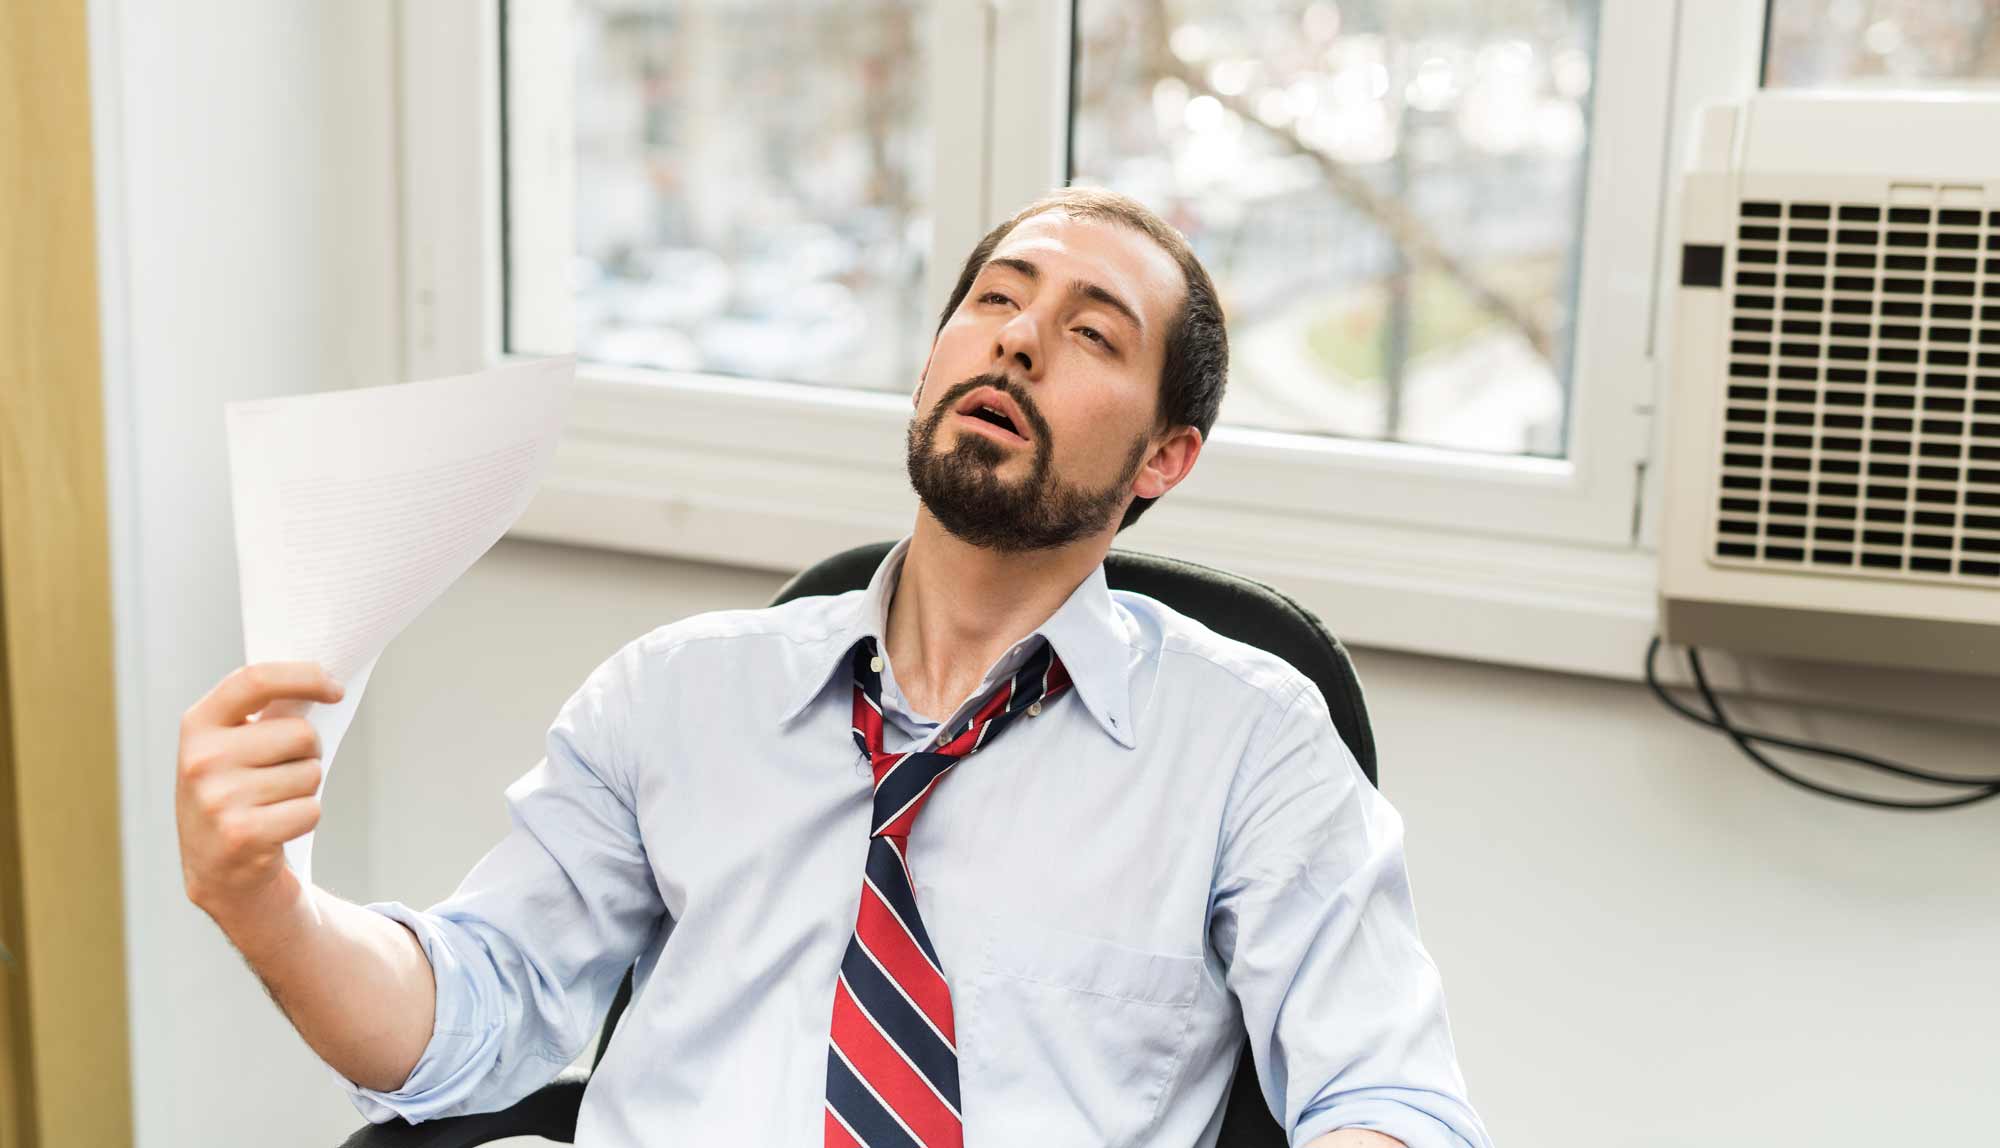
550, 1112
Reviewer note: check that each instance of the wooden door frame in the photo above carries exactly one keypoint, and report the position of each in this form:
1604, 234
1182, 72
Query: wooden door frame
64, 1042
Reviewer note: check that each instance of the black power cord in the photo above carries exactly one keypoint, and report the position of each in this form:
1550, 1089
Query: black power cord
1716, 719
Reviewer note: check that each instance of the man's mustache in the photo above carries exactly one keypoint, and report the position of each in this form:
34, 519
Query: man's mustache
1012, 389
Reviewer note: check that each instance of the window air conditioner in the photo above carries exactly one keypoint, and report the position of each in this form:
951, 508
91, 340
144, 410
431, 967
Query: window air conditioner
1833, 433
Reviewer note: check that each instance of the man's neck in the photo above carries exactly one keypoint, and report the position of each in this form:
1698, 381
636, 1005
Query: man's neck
957, 608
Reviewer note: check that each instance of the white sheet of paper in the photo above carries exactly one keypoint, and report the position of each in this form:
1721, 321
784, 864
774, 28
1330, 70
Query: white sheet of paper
356, 509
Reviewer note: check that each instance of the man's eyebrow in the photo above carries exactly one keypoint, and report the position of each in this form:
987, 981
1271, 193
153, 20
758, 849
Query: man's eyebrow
1077, 289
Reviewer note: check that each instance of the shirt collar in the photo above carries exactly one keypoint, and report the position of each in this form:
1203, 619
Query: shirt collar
1089, 632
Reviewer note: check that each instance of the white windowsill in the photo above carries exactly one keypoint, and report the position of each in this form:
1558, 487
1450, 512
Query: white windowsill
706, 472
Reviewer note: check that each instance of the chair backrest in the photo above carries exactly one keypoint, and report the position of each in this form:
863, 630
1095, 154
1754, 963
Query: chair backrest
1232, 606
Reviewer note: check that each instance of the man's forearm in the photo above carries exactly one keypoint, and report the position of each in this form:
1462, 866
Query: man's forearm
1355, 1138
355, 984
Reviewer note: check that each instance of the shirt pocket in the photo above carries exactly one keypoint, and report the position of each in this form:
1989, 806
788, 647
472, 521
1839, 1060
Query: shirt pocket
1070, 1039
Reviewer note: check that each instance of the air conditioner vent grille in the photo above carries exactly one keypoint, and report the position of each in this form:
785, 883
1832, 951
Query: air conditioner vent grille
1860, 427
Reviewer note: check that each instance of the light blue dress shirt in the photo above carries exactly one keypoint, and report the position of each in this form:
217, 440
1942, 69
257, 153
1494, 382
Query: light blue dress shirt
1175, 852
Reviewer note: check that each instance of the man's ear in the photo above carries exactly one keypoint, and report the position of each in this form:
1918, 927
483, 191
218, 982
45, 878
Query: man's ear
1169, 463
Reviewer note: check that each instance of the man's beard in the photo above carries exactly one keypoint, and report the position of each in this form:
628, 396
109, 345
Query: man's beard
1038, 512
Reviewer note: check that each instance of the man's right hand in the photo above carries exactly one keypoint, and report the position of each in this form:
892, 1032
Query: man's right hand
356, 984
248, 782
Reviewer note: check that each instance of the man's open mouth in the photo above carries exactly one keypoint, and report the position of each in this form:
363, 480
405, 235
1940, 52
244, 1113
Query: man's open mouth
997, 409
997, 418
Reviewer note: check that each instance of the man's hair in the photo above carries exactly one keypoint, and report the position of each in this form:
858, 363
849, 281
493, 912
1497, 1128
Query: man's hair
1197, 360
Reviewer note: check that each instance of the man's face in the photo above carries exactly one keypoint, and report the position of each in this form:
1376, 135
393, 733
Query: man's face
1062, 334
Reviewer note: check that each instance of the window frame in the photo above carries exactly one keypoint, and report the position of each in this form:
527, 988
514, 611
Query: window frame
1410, 547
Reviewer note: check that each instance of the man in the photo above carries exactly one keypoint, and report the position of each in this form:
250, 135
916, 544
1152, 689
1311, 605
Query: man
985, 855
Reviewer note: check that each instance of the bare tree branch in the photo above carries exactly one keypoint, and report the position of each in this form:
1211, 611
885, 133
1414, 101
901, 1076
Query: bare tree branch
1408, 232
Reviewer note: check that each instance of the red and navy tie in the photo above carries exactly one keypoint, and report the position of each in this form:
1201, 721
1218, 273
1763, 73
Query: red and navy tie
892, 1066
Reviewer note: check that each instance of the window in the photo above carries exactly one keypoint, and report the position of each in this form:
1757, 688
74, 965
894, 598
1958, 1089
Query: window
1824, 43
752, 189
1389, 195
1441, 273
1441, 258
1434, 238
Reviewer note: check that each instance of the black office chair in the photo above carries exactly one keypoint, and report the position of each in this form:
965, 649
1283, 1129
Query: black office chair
1236, 607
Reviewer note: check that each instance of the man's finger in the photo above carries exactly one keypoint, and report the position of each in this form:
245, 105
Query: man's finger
268, 741
282, 821
253, 687
281, 782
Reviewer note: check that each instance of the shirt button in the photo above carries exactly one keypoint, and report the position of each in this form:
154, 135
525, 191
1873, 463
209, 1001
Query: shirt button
875, 664
1034, 709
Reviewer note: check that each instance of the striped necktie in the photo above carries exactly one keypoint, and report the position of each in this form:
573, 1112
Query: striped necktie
892, 1065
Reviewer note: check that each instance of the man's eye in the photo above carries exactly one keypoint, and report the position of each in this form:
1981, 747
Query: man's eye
994, 295
1091, 334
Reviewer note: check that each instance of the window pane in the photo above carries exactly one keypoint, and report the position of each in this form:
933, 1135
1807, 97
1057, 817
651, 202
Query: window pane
1388, 194
1827, 43
752, 188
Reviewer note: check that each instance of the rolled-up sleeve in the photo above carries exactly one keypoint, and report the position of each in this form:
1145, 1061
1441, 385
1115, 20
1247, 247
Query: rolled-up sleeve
1313, 918
529, 950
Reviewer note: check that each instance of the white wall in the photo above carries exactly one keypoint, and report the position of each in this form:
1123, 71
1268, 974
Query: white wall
1646, 941
246, 205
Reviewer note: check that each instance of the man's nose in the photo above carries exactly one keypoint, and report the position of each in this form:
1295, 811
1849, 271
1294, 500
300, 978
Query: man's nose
1020, 341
